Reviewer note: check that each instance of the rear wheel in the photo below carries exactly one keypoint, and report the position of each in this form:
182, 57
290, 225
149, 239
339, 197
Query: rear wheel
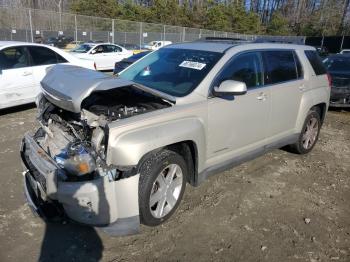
309, 135
161, 187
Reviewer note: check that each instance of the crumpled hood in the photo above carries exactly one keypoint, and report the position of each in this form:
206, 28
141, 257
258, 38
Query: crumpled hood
67, 86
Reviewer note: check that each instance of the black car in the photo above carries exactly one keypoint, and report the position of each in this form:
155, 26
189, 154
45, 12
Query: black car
121, 65
60, 41
322, 51
338, 67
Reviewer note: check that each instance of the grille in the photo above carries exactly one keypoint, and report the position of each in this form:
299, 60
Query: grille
35, 173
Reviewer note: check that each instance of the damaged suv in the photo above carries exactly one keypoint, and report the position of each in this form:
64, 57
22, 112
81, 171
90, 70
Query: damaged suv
114, 152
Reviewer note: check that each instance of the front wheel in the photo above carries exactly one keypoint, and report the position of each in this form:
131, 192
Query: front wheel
161, 186
309, 134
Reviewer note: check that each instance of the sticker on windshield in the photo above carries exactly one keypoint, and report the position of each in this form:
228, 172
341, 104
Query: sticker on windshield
193, 65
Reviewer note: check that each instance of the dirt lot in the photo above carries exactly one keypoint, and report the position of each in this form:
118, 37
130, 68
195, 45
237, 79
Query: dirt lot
279, 207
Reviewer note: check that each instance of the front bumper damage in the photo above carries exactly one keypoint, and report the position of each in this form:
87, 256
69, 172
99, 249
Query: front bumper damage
103, 203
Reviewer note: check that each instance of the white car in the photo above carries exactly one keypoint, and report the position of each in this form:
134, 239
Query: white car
155, 45
23, 66
104, 55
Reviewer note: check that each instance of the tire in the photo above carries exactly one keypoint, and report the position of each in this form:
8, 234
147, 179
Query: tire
155, 184
302, 146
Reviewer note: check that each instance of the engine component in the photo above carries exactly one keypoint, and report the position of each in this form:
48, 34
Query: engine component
121, 103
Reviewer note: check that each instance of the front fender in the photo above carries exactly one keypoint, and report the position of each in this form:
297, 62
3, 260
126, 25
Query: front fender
127, 148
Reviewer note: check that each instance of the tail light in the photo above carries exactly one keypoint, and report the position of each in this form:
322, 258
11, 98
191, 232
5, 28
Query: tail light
329, 80
95, 66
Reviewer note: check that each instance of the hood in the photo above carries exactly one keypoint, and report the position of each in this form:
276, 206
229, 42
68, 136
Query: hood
67, 86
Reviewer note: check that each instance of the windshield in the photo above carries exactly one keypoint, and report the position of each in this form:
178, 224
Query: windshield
341, 64
173, 71
84, 48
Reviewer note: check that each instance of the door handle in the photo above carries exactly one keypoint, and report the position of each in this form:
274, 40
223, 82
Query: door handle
261, 96
26, 73
302, 88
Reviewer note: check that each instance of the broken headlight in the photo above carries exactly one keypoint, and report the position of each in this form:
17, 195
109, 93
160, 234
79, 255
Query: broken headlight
77, 159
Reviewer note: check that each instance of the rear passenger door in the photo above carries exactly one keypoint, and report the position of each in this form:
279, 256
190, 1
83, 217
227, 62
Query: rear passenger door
42, 58
284, 77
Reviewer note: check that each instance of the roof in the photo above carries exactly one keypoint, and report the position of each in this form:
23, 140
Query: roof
219, 47
339, 55
6, 43
222, 46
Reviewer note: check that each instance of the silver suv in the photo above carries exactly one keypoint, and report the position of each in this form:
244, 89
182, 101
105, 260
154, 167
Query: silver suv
114, 152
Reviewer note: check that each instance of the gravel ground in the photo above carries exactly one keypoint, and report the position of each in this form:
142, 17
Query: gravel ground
279, 207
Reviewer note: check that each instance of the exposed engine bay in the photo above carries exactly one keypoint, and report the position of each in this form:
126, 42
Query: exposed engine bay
78, 141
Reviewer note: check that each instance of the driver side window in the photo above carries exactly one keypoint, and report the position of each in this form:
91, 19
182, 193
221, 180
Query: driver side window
245, 68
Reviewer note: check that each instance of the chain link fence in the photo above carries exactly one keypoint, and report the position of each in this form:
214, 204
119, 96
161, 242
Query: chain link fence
41, 26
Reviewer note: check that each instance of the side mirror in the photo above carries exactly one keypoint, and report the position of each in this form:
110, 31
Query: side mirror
93, 51
231, 87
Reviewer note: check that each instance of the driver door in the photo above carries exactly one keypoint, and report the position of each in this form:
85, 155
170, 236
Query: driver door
98, 54
238, 125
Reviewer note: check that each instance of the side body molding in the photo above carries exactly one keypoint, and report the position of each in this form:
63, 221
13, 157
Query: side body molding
129, 146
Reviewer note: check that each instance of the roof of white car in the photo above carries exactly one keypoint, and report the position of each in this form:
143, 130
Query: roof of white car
222, 46
17, 43
3, 43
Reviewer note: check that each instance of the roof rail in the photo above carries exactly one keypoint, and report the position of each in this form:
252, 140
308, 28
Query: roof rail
229, 40
280, 39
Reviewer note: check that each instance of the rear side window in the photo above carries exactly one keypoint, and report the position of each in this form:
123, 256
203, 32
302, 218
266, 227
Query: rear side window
315, 62
111, 49
14, 57
280, 66
44, 56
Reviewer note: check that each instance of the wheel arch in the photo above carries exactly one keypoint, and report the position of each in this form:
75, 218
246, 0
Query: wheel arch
187, 149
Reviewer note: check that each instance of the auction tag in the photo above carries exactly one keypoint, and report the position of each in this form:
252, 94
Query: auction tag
193, 65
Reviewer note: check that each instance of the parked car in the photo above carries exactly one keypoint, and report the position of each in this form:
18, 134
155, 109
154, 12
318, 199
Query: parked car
60, 41
72, 45
155, 45
114, 152
322, 51
104, 55
345, 51
23, 66
134, 48
121, 65
338, 67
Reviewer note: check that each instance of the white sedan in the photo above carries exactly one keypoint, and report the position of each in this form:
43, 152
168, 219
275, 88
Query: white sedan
104, 55
23, 66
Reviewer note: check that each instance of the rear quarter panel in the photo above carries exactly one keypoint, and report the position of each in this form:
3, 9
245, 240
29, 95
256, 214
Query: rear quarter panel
317, 91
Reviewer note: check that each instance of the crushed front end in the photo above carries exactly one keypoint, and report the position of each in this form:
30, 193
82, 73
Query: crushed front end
57, 189
66, 171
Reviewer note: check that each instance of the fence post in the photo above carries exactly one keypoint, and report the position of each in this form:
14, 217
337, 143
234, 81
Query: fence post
76, 28
140, 35
342, 42
31, 25
113, 31
200, 34
183, 34
164, 32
